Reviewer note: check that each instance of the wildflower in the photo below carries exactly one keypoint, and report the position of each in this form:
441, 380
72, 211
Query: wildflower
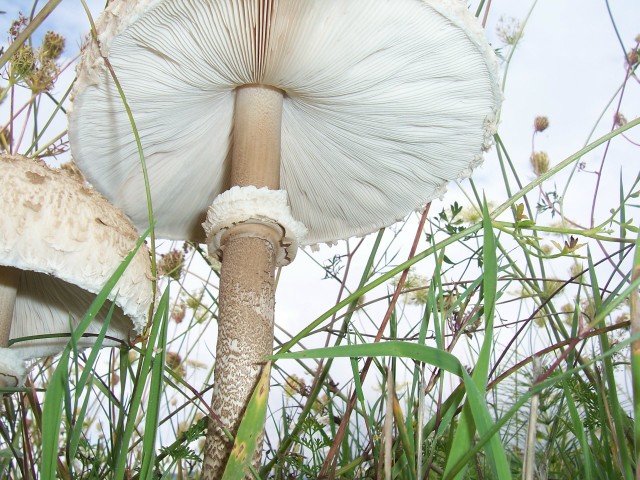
415, 287
539, 163
509, 30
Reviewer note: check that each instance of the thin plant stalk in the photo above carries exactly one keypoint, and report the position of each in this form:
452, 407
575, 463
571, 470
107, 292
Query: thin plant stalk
532, 430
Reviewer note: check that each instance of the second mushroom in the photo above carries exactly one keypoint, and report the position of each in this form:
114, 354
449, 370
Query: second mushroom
291, 122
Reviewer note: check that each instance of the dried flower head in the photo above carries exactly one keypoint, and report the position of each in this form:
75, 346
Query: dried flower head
295, 385
178, 312
52, 46
632, 58
43, 76
6, 139
35, 68
619, 119
17, 26
174, 362
23, 63
540, 124
540, 163
171, 264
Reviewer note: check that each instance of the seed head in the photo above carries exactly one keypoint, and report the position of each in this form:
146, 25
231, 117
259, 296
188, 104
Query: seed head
619, 119
23, 62
17, 26
178, 312
632, 58
52, 45
540, 163
171, 264
540, 124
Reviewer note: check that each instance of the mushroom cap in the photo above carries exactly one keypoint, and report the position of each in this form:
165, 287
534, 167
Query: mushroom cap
67, 240
384, 103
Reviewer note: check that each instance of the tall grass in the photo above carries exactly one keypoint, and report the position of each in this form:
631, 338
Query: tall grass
493, 338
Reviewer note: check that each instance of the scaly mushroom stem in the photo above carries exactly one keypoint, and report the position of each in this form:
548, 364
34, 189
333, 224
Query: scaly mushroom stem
247, 296
9, 279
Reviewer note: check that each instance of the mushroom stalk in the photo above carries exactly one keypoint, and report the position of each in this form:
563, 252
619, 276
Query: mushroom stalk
247, 290
9, 280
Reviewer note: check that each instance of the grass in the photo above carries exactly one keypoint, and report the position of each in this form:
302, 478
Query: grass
456, 344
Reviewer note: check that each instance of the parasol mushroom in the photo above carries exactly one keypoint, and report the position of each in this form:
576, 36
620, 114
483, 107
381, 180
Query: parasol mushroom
60, 241
338, 116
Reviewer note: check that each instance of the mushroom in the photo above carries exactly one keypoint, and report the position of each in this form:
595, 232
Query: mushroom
60, 242
337, 116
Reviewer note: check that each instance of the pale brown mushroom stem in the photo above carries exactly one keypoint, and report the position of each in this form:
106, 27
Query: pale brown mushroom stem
9, 280
247, 291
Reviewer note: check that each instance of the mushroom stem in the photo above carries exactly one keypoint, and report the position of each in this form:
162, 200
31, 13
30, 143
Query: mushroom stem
256, 137
9, 280
247, 291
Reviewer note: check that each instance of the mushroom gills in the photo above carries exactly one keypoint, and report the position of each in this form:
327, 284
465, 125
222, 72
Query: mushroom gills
38, 296
9, 280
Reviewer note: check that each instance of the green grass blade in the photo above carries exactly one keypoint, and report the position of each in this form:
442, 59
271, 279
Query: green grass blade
79, 426
52, 417
617, 413
394, 348
146, 360
579, 432
81, 384
59, 386
405, 438
155, 389
249, 430
635, 354
466, 428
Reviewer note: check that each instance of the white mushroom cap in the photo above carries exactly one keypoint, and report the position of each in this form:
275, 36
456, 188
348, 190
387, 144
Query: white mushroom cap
67, 240
384, 103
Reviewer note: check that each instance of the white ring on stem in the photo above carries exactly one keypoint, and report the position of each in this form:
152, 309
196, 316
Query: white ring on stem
249, 204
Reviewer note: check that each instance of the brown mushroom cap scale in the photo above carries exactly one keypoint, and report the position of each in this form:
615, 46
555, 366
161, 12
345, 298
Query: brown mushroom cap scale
384, 103
63, 241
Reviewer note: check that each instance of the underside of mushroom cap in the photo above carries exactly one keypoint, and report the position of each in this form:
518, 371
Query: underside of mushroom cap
385, 102
68, 241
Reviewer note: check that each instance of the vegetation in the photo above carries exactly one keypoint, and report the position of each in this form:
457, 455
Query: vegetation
480, 338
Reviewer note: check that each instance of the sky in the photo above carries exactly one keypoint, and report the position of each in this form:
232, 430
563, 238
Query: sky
568, 67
